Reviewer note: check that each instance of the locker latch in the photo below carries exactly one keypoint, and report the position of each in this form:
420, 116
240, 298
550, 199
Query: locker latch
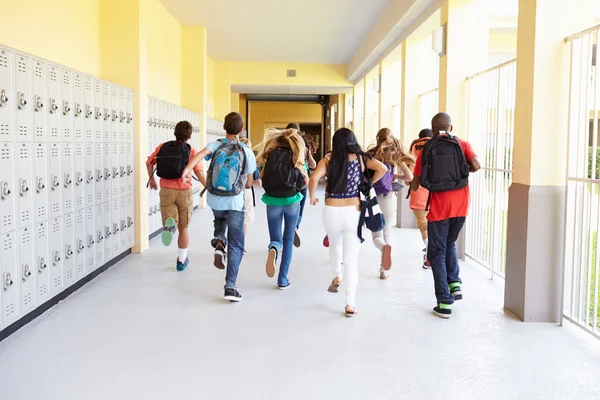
115, 172
107, 232
4, 190
88, 111
99, 175
3, 97
26, 271
56, 257
53, 106
78, 109
122, 116
123, 172
115, 115
123, 225
129, 118
41, 264
68, 251
129, 222
106, 114
129, 170
7, 280
78, 178
106, 173
80, 246
115, 228
155, 209
24, 187
39, 104
98, 113
66, 107
22, 100
150, 211
68, 180
99, 235
89, 176
91, 240
40, 184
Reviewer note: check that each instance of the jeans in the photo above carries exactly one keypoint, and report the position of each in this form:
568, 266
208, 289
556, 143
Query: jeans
302, 204
230, 223
441, 251
282, 237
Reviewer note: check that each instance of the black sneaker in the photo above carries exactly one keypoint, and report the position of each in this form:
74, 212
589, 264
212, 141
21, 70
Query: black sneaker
297, 241
443, 310
220, 257
456, 291
232, 295
284, 287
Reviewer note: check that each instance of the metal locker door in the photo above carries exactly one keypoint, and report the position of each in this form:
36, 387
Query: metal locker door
107, 170
99, 172
7, 99
68, 249
123, 220
68, 178
8, 272
67, 108
130, 176
78, 107
55, 262
7, 188
42, 262
116, 174
25, 270
79, 243
39, 184
130, 222
24, 185
123, 169
114, 105
79, 176
53, 105
130, 114
90, 239
55, 180
98, 111
122, 114
23, 97
39, 100
89, 175
88, 109
116, 227
108, 240
99, 238
106, 111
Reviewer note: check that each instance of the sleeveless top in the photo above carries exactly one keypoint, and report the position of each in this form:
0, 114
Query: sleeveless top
384, 185
354, 176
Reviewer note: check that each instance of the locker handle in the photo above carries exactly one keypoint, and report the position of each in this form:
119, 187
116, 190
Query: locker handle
129, 170
115, 116
22, 100
106, 173
107, 232
106, 114
129, 118
66, 107
41, 264
68, 180
88, 111
24, 187
7, 280
99, 175
78, 179
123, 225
123, 173
26, 271
150, 211
98, 113
91, 241
68, 251
56, 257
115, 172
100, 237
40, 184
5, 190
122, 118
89, 176
78, 109
129, 222
55, 182
53, 106
115, 228
80, 246
39, 104
3, 98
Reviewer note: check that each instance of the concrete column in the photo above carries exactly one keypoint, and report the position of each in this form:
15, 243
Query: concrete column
535, 243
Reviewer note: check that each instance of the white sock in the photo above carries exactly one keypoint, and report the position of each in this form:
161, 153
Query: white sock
182, 255
426, 241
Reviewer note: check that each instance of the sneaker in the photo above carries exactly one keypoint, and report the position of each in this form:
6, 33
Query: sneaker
232, 295
271, 261
168, 231
296, 238
386, 257
220, 257
284, 287
456, 291
245, 251
443, 310
326, 241
383, 274
181, 266
426, 263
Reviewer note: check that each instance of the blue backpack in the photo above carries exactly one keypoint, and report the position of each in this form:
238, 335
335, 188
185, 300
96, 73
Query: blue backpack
227, 174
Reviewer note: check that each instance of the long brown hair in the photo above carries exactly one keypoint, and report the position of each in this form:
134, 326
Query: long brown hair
390, 150
282, 138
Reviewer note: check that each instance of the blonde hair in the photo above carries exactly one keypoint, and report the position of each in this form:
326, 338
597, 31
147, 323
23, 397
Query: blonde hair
289, 138
246, 141
390, 150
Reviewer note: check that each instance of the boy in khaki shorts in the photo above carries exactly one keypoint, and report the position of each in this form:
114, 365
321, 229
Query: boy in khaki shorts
176, 202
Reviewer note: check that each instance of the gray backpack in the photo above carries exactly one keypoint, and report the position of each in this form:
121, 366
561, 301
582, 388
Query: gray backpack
228, 171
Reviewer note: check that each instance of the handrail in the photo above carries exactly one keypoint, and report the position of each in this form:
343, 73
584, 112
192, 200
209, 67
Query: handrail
492, 68
429, 92
580, 34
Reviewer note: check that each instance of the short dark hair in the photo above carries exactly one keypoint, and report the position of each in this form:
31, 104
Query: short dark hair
183, 131
425, 133
234, 123
293, 125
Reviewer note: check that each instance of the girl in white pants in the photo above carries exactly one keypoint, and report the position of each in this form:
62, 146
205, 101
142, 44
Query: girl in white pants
342, 208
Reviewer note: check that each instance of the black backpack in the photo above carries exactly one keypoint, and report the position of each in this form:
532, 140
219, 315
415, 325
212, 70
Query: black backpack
444, 166
281, 178
172, 158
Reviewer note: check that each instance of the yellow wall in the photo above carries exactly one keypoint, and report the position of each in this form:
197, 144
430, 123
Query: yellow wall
63, 31
262, 73
222, 100
265, 115
503, 43
210, 86
164, 53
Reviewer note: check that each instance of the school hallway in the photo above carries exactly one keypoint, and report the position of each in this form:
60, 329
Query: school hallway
141, 330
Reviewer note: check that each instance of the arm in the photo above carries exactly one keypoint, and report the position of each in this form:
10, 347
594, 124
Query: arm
406, 174
416, 182
312, 164
474, 165
250, 181
320, 172
379, 168
187, 172
201, 177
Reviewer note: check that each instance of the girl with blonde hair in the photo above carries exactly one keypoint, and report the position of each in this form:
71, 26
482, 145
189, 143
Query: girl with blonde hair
390, 151
281, 155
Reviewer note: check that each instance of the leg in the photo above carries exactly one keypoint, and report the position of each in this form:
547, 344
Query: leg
290, 214
169, 214
351, 246
220, 223
185, 208
235, 238
388, 208
421, 217
452, 267
436, 251
302, 204
274, 221
333, 226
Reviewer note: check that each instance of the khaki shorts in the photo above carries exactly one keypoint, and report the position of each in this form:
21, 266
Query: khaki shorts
421, 216
177, 204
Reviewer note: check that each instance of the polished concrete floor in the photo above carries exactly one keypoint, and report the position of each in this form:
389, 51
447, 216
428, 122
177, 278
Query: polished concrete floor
143, 331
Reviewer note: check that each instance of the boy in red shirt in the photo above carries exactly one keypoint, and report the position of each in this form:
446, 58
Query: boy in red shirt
447, 215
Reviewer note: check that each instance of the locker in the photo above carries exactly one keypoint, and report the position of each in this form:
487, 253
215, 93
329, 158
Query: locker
122, 114
129, 120
39, 101
78, 107
123, 169
68, 234
108, 232
54, 108
23, 97
55, 262
130, 176
42, 262
7, 99
68, 178
67, 107
26, 269
80, 247
99, 234
116, 173
90, 239
7, 188
89, 175
79, 176
55, 180
116, 227
123, 221
88, 109
107, 170
106, 113
98, 111
130, 221
99, 172
114, 104
10, 290
40, 181
24, 184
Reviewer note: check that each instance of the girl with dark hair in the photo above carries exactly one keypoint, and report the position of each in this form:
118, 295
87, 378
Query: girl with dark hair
344, 169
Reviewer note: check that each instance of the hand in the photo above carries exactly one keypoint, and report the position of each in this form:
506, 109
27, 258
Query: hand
186, 176
153, 184
314, 200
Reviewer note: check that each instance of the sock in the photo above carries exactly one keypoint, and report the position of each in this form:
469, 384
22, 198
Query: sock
426, 241
182, 255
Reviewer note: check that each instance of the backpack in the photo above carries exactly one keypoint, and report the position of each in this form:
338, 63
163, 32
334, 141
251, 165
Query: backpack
444, 166
281, 178
172, 158
227, 174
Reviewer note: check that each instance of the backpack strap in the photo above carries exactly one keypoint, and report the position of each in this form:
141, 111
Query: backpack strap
253, 196
149, 179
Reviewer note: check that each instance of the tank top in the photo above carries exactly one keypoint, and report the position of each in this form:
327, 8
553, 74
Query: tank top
354, 176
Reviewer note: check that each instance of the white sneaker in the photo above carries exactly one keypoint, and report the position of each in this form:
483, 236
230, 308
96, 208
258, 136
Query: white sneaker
383, 274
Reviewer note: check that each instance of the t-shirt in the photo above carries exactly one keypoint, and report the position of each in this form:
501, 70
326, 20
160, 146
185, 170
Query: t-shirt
229, 203
173, 183
282, 201
452, 204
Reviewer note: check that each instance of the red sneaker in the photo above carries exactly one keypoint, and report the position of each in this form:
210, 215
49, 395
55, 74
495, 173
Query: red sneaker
326, 241
426, 263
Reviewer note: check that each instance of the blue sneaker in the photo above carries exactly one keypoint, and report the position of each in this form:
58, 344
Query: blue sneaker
168, 232
182, 266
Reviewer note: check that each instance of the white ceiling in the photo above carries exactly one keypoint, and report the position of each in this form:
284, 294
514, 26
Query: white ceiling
311, 31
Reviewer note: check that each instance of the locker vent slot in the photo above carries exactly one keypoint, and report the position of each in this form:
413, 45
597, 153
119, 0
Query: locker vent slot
68, 221
39, 131
66, 79
67, 150
79, 218
79, 151
88, 85
4, 130
80, 268
69, 275
23, 131
116, 248
5, 153
53, 75
90, 262
7, 220
99, 258
54, 152
26, 236
41, 232
25, 217
55, 226
79, 203
98, 197
89, 152
88, 134
43, 290
9, 310
67, 134
7, 243
68, 204
39, 71
54, 132
98, 88
3, 59
77, 81
24, 153
39, 152
22, 66
41, 212
27, 300
55, 208
98, 136
78, 134
57, 282
106, 90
